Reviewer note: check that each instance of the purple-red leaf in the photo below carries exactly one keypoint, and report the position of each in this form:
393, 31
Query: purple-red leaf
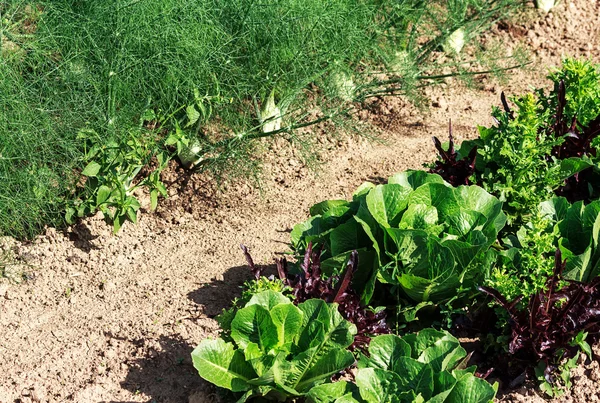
310, 284
257, 271
454, 171
553, 318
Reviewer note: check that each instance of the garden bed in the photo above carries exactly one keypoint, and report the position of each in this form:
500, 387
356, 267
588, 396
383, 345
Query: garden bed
99, 317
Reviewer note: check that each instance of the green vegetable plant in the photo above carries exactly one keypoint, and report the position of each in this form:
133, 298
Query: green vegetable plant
577, 229
552, 327
278, 351
417, 236
429, 366
113, 172
525, 264
543, 145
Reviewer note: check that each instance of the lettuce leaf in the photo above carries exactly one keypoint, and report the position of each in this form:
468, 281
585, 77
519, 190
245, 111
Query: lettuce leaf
278, 350
431, 240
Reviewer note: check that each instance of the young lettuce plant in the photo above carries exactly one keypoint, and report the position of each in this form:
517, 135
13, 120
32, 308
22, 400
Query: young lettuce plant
552, 327
310, 284
429, 366
419, 236
577, 229
279, 350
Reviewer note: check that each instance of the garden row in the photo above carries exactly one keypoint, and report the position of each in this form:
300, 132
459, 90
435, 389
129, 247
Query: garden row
97, 97
499, 241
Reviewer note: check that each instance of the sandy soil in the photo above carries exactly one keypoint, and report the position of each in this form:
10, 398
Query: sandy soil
103, 318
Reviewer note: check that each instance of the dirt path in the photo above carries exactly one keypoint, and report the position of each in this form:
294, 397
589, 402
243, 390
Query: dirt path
105, 318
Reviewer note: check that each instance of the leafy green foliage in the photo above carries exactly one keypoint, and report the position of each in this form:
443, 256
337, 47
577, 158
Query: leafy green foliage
554, 324
545, 144
279, 350
211, 65
524, 266
582, 90
425, 367
113, 173
249, 289
578, 230
310, 283
426, 239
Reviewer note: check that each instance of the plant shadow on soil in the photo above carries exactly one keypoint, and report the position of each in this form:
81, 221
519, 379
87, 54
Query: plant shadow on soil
164, 372
218, 294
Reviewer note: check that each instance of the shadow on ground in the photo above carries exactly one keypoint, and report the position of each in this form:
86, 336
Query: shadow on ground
164, 372
218, 294
162, 368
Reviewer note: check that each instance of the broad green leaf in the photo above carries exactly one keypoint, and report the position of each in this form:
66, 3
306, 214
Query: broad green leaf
424, 339
475, 198
422, 217
555, 208
380, 386
369, 230
573, 165
92, 169
253, 324
337, 332
288, 320
443, 384
362, 190
437, 195
462, 222
332, 207
415, 376
572, 228
333, 393
386, 204
347, 237
413, 179
471, 389
103, 194
580, 232
411, 247
322, 367
464, 252
385, 352
444, 355
312, 229
418, 289
261, 363
218, 363
268, 299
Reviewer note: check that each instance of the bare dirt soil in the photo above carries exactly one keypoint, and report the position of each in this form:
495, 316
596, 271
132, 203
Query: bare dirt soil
103, 318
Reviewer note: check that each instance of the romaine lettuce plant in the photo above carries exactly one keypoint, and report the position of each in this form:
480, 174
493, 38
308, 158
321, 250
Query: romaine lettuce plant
308, 284
279, 350
427, 240
578, 236
425, 367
